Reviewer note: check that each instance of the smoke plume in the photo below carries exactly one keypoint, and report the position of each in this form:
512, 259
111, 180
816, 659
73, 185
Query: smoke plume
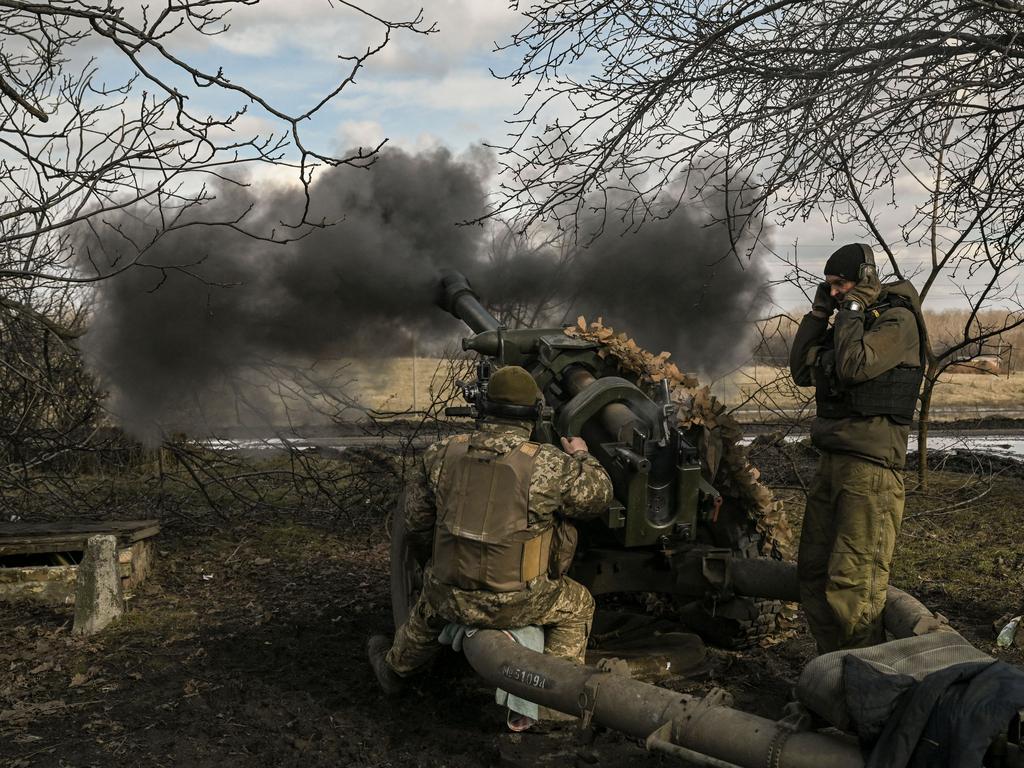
204, 304
677, 283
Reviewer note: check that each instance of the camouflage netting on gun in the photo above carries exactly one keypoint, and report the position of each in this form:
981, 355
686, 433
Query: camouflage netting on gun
724, 460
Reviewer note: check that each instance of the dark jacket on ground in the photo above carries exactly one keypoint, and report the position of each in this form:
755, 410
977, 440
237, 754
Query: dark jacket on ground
893, 339
949, 719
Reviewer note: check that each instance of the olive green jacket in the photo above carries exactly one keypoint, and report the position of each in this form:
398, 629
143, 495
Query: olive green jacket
893, 339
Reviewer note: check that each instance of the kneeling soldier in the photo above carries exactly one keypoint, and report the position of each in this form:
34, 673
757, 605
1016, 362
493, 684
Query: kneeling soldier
495, 507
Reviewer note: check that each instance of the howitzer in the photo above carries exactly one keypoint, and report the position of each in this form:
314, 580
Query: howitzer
668, 530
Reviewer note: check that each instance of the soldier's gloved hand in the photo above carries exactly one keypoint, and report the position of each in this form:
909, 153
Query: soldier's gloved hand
574, 445
823, 305
866, 291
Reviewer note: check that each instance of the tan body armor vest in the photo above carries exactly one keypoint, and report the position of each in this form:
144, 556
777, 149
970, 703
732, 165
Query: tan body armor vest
482, 539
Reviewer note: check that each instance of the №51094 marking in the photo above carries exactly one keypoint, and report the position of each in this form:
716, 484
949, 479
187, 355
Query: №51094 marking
526, 677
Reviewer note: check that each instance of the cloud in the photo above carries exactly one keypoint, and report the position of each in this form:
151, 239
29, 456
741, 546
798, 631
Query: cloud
465, 91
360, 133
420, 90
458, 110
465, 29
318, 29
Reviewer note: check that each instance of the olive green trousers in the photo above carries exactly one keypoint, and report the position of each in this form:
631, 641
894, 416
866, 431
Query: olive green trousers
853, 515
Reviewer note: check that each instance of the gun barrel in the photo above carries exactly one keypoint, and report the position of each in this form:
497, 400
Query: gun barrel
459, 299
618, 419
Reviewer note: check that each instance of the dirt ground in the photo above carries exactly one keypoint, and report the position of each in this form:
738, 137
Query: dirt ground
246, 647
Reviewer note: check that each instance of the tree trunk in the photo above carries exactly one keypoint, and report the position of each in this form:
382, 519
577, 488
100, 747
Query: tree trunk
922, 432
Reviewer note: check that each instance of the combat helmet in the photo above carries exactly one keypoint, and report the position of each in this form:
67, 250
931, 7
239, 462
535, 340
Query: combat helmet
512, 393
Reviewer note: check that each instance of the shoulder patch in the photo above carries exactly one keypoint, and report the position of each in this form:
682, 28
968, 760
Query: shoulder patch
530, 449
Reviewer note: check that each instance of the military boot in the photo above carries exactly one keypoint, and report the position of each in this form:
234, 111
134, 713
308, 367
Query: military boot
377, 649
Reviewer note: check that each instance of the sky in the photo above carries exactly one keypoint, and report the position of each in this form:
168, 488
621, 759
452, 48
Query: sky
421, 91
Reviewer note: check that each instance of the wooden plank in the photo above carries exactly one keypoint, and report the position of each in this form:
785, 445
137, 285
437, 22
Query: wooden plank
124, 537
70, 535
74, 526
141, 534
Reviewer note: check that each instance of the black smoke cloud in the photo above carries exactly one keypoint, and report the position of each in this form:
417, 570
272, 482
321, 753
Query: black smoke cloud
678, 283
206, 302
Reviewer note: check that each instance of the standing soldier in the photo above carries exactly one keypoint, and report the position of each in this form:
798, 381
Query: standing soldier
493, 506
867, 369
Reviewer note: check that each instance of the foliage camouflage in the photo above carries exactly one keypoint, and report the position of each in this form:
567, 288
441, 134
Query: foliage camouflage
724, 460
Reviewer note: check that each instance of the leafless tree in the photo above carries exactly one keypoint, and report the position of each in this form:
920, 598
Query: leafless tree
79, 139
107, 107
814, 107
791, 97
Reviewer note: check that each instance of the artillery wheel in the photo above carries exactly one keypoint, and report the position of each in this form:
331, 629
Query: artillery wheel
406, 570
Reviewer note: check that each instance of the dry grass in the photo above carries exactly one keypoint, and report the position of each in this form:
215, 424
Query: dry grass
389, 384
395, 384
981, 389
954, 391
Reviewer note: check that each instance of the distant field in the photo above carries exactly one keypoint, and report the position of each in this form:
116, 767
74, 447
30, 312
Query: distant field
771, 385
766, 388
390, 384
396, 383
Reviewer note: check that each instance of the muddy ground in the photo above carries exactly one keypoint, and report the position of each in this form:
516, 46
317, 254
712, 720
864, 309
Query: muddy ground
246, 648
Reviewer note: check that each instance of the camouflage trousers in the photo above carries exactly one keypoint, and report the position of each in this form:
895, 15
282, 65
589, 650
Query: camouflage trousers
853, 516
563, 607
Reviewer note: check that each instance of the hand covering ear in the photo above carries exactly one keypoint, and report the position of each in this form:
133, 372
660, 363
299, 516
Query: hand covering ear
867, 289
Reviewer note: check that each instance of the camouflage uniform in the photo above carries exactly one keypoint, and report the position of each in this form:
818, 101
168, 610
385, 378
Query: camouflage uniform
560, 486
